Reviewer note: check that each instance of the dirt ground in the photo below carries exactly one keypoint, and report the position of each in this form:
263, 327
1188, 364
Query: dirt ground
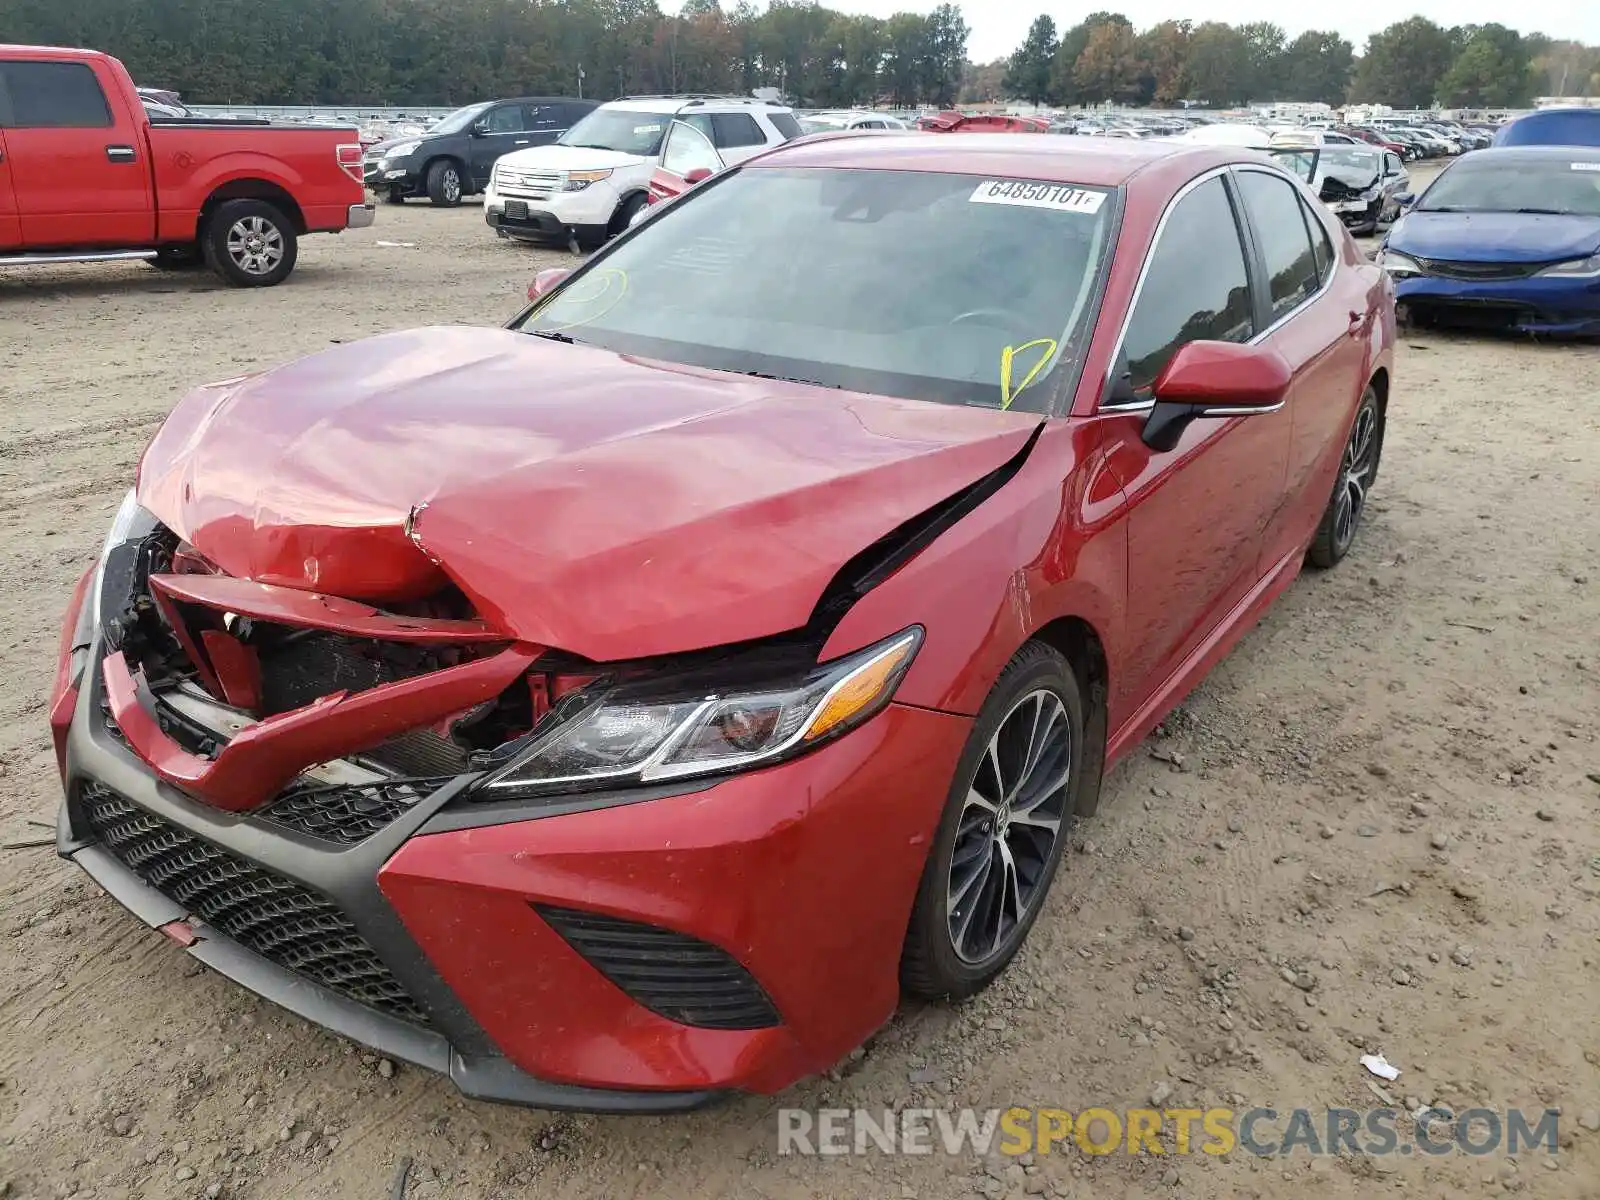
1372, 829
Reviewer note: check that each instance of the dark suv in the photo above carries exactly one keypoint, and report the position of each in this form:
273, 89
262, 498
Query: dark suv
456, 157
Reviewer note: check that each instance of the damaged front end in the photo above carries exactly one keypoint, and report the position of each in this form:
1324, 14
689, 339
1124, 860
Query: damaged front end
249, 767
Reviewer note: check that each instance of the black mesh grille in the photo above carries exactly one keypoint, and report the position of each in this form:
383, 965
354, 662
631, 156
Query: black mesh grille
1449, 269
283, 921
673, 974
346, 815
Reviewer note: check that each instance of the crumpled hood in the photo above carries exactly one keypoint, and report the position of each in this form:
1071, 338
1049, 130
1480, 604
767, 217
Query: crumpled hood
1495, 237
569, 158
606, 505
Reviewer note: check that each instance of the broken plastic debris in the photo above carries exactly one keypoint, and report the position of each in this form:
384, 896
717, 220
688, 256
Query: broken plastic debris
1379, 1066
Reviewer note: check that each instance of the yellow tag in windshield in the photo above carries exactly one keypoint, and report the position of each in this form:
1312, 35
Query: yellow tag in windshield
1007, 393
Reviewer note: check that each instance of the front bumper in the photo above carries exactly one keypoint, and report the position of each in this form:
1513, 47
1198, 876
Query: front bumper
1545, 306
586, 213
1358, 215
382, 176
803, 874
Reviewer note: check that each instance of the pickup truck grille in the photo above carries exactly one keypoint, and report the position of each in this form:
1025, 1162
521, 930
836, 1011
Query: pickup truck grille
529, 185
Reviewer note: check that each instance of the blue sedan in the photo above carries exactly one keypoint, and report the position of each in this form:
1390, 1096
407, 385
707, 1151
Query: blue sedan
1504, 239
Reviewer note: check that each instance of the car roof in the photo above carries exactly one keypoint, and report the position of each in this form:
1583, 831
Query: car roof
1098, 163
672, 104
1510, 155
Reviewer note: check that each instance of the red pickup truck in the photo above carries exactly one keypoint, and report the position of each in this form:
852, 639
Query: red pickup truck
87, 176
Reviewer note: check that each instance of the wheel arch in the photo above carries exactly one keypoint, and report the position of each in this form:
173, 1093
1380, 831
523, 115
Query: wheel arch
254, 189
623, 201
1380, 384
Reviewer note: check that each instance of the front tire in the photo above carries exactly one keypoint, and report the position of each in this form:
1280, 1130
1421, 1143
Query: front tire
250, 243
444, 184
623, 217
1358, 470
1009, 814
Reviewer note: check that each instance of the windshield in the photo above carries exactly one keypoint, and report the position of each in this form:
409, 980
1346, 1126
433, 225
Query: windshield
628, 132
1544, 185
462, 117
913, 284
1349, 165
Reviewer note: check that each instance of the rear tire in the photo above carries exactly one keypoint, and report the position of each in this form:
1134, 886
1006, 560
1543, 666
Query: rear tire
965, 929
444, 184
250, 243
394, 197
1358, 470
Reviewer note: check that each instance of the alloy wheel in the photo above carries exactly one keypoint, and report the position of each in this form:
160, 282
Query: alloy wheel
256, 245
1013, 815
1355, 473
451, 185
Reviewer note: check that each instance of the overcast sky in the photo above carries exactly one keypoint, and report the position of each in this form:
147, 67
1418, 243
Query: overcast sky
998, 26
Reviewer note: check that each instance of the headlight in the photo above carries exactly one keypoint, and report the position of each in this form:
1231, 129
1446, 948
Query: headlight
1577, 268
621, 734
401, 149
576, 181
129, 520
1398, 265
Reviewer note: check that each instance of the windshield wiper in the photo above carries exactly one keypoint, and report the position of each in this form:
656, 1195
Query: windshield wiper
553, 336
791, 379
1542, 212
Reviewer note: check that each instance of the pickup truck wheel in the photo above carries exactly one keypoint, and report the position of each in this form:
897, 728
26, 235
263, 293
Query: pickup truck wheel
250, 243
444, 184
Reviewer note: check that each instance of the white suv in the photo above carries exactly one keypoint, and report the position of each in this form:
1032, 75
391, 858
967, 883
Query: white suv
595, 179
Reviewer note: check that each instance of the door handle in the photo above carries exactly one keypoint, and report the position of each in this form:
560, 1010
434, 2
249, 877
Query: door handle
1358, 323
120, 154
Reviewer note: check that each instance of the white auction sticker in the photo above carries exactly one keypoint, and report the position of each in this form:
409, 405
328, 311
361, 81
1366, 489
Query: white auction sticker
1060, 196
1595, 166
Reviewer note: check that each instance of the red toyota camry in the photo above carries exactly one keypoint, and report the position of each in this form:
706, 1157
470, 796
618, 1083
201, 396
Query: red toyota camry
630, 705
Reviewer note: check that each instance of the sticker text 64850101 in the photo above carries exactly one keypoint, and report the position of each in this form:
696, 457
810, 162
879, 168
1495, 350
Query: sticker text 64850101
1060, 196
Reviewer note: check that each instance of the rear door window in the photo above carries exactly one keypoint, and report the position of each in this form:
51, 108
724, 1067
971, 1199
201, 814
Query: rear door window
730, 130
1196, 287
54, 95
1321, 244
1275, 214
785, 124
545, 118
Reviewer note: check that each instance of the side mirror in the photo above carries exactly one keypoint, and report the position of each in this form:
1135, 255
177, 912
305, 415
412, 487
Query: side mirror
1214, 379
546, 280
1405, 199
479, 128
698, 175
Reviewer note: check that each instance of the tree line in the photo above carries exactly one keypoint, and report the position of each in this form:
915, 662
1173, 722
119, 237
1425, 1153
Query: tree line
437, 52
1413, 63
